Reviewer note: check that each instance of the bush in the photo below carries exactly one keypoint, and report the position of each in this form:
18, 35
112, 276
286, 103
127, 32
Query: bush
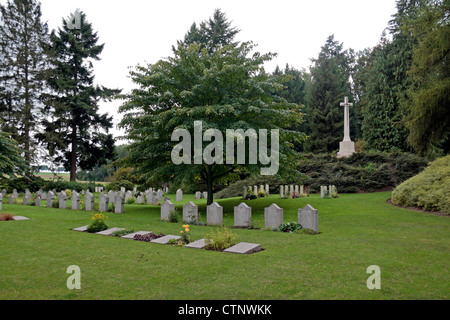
220, 240
97, 223
289, 227
173, 216
429, 189
131, 200
6, 217
115, 186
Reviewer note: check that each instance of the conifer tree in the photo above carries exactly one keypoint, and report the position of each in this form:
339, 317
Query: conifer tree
75, 133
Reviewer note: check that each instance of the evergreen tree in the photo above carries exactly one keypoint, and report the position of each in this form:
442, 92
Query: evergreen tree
427, 104
11, 162
388, 83
75, 133
23, 64
213, 33
329, 85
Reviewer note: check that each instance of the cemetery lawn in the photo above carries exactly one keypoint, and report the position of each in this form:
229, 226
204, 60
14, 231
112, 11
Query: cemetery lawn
411, 248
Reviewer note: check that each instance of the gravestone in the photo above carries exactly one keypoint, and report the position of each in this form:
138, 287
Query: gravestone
281, 192
242, 215
119, 204
198, 195
28, 194
128, 194
89, 201
165, 239
75, 200
38, 200
296, 189
323, 191
4, 192
122, 189
50, 199
308, 218
166, 207
140, 199
109, 232
205, 194
62, 199
104, 202
111, 196
11, 199
15, 194
141, 233
244, 193
25, 200
302, 190
1, 200
190, 212
214, 214
255, 190
198, 244
267, 190
179, 195
273, 216
159, 195
154, 198
244, 248
148, 197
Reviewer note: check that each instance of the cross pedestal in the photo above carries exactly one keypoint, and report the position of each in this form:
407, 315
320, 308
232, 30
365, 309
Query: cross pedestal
346, 146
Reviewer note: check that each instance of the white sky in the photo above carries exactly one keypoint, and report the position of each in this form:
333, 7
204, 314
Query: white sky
139, 31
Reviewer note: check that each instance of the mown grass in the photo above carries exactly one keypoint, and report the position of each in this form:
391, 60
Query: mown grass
411, 248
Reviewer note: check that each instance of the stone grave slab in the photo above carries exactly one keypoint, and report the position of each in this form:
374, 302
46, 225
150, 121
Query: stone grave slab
165, 239
131, 235
244, 248
110, 231
81, 229
199, 244
20, 218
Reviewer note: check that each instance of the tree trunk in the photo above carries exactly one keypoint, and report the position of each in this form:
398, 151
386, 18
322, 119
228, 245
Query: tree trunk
73, 160
209, 185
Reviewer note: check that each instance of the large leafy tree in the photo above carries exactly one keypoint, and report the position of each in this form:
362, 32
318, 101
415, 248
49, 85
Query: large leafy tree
75, 133
23, 65
428, 100
225, 89
330, 83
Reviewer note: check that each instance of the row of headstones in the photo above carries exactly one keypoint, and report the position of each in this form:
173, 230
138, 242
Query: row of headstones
118, 200
255, 190
327, 191
199, 195
150, 196
286, 190
273, 215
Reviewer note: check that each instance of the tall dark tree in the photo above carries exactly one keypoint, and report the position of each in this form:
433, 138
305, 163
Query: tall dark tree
427, 104
23, 64
330, 83
388, 83
213, 33
75, 133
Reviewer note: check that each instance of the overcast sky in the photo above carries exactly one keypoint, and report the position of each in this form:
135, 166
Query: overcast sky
139, 31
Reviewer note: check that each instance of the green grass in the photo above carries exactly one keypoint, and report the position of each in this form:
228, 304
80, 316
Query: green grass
357, 230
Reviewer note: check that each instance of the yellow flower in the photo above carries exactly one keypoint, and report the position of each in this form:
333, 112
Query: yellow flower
187, 229
181, 231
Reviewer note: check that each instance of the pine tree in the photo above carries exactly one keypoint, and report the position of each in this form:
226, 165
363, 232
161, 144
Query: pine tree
213, 33
23, 64
330, 76
76, 134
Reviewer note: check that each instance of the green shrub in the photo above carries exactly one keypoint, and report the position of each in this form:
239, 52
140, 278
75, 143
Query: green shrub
97, 223
220, 240
289, 227
429, 189
68, 193
173, 216
115, 186
131, 200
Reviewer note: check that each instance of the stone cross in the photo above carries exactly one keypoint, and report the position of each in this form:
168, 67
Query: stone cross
346, 146
346, 106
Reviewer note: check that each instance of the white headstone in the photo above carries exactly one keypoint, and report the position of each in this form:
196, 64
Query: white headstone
308, 218
89, 201
190, 212
214, 214
50, 199
166, 207
119, 204
242, 215
179, 195
62, 199
75, 200
104, 202
273, 216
